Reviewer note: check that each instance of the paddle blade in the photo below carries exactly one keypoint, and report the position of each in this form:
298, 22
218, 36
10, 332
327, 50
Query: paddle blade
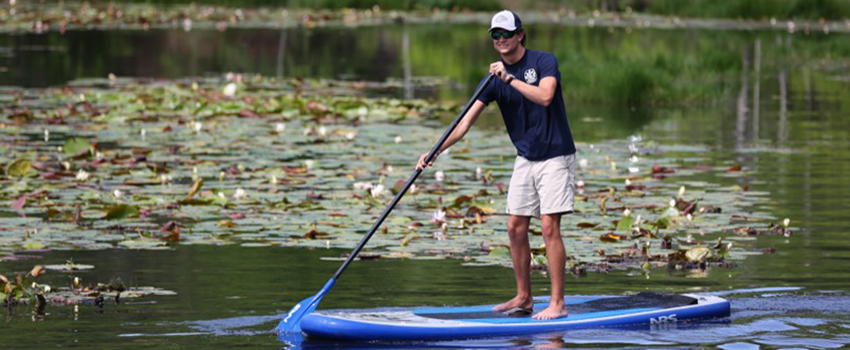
291, 323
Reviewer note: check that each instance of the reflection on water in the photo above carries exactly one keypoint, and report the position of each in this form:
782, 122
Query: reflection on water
764, 318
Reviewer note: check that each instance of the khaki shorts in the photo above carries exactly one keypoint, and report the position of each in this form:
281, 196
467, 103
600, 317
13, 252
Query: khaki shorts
543, 187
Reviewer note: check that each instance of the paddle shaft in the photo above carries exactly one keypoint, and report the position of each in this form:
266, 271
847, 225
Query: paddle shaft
413, 177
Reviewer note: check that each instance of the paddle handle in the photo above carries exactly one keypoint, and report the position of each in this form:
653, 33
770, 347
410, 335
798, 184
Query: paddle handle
413, 177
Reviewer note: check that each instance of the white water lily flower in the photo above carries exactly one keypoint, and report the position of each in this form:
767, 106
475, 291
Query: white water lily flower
628, 182
613, 165
82, 97
323, 131
350, 136
46, 135
309, 163
239, 193
77, 282
413, 188
307, 131
690, 217
143, 132
389, 169
279, 127
187, 24
478, 173
580, 183
786, 222
378, 191
638, 220
98, 155
197, 126
362, 186
82, 175
397, 139
634, 159
117, 193
66, 165
681, 192
222, 195
362, 111
194, 86
229, 90
627, 212
274, 180
439, 216
46, 288
221, 176
672, 203
633, 148
439, 176
634, 169
164, 179
582, 163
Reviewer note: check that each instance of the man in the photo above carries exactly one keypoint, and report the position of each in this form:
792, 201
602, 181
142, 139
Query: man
528, 92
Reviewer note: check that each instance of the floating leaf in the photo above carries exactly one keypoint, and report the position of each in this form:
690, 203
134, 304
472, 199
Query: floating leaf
19, 168
36, 271
69, 267
121, 211
698, 254
500, 252
612, 237
76, 146
34, 245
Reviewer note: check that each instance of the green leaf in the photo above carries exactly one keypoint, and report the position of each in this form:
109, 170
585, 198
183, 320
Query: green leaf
500, 252
19, 168
699, 253
625, 224
75, 146
34, 245
121, 211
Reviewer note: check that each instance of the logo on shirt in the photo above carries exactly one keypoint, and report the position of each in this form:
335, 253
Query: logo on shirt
531, 76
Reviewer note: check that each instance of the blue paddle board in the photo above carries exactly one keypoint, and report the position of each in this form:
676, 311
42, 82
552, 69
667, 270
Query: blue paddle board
443, 323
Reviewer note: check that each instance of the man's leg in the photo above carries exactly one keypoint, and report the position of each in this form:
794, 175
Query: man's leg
521, 257
556, 257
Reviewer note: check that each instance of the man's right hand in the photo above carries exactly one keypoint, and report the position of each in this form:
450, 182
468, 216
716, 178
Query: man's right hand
421, 163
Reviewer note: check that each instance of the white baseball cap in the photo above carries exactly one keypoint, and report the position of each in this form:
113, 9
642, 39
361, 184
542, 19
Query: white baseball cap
506, 20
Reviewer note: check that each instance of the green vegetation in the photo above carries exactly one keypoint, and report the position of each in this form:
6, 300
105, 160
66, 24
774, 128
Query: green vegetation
265, 162
474, 5
745, 9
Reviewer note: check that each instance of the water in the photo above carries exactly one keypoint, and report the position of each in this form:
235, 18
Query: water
794, 145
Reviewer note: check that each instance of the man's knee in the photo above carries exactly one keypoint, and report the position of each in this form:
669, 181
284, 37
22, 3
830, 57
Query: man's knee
517, 227
550, 226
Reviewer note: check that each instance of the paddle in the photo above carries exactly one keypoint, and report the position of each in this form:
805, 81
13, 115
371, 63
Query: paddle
292, 321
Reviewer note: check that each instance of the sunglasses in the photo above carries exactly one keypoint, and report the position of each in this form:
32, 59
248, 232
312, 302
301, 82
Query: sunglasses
506, 35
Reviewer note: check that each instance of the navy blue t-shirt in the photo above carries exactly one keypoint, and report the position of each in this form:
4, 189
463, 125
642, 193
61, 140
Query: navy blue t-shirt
538, 132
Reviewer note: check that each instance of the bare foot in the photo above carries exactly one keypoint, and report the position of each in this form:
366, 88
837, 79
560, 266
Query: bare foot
553, 311
517, 301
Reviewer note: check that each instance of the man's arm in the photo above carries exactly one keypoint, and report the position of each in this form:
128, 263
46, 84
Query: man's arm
458, 133
543, 94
